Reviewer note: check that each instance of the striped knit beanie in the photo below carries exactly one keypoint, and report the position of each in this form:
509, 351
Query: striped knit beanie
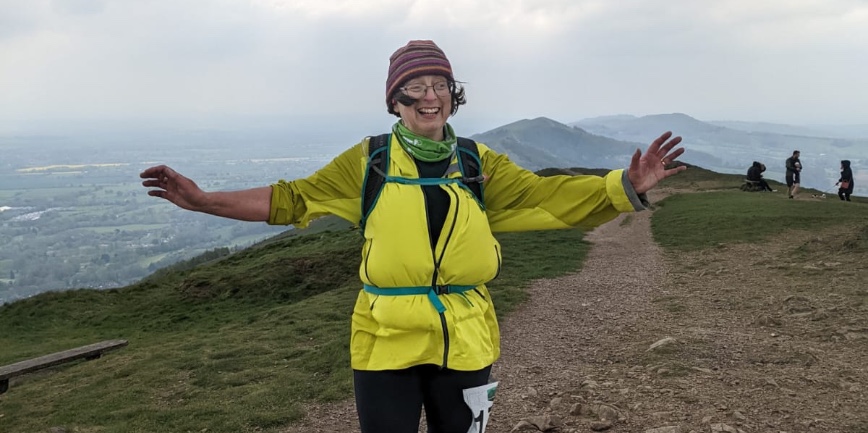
415, 59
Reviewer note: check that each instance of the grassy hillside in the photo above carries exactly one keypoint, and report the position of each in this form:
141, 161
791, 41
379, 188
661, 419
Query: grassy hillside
238, 344
233, 345
696, 221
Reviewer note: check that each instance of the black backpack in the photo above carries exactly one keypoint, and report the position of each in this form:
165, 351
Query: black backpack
378, 165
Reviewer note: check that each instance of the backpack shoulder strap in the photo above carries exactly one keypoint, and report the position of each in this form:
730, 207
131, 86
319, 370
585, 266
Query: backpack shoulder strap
471, 167
375, 173
378, 167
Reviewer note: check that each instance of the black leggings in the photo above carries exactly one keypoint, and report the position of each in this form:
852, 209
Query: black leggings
391, 401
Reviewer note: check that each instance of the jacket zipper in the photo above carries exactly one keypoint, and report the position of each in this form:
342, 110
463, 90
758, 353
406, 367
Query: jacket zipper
497, 256
367, 260
437, 262
436, 272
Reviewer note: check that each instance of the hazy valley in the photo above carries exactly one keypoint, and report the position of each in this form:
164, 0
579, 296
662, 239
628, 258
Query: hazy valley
73, 213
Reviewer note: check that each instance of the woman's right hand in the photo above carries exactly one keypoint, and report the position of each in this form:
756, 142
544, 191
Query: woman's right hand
173, 187
252, 204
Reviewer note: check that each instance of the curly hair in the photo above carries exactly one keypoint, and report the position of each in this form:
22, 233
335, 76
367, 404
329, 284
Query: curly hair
456, 90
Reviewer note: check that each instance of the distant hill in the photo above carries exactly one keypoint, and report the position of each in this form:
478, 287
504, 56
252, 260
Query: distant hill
738, 144
540, 143
101, 230
775, 128
543, 143
857, 132
851, 132
645, 128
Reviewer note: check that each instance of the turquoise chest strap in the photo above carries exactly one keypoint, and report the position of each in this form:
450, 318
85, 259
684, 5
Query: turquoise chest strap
431, 291
428, 181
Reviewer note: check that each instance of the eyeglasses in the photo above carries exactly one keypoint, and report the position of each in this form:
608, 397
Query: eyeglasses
419, 90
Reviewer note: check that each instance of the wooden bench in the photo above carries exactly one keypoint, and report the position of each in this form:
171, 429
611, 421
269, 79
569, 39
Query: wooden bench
91, 351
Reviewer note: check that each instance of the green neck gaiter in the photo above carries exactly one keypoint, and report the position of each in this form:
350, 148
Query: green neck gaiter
426, 149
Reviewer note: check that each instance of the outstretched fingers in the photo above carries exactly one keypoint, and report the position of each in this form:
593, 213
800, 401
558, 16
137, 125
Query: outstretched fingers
151, 183
153, 172
670, 144
654, 148
674, 170
634, 161
671, 157
159, 176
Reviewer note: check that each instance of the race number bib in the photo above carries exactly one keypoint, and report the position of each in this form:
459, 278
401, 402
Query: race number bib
480, 399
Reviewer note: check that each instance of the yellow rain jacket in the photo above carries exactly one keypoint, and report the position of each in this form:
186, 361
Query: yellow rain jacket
396, 332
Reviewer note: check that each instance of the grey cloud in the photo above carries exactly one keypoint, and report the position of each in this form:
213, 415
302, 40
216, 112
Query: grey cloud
565, 60
18, 18
78, 7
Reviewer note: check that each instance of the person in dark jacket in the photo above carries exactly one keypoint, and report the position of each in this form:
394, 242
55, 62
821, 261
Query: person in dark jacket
794, 173
845, 182
755, 174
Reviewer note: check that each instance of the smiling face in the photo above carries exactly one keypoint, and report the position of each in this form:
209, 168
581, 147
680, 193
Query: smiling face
428, 115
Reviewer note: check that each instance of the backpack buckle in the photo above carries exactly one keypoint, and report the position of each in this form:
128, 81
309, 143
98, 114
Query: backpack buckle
475, 179
441, 290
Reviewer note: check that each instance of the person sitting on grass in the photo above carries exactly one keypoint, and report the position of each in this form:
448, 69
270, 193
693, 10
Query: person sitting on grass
755, 174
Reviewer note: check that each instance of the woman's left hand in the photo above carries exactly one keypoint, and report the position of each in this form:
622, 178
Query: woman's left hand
649, 169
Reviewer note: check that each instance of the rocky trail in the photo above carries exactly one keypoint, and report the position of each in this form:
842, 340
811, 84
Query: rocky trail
740, 338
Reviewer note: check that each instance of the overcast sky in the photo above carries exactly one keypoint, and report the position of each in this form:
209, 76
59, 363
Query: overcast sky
785, 61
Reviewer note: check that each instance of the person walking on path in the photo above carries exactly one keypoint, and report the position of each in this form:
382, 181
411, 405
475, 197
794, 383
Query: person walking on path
424, 332
845, 182
793, 175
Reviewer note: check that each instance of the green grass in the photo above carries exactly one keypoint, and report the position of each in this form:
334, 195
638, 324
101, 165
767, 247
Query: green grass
232, 345
532, 255
695, 221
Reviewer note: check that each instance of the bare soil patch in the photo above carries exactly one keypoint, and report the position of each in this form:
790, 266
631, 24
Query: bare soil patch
768, 337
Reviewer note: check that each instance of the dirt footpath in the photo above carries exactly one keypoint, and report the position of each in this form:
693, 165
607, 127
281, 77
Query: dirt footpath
739, 338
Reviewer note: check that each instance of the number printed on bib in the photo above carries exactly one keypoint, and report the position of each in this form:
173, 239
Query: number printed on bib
480, 399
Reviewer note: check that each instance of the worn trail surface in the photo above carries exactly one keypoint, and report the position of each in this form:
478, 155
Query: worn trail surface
747, 338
